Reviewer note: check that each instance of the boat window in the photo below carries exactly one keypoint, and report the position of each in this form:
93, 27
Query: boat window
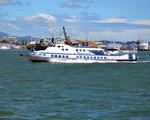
66, 49
67, 56
76, 49
80, 50
87, 57
83, 50
51, 55
84, 57
80, 57
63, 49
94, 57
104, 57
76, 56
97, 57
44, 55
63, 56
58, 46
56, 56
59, 56
91, 57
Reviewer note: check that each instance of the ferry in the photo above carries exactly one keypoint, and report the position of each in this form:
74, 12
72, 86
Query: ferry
65, 53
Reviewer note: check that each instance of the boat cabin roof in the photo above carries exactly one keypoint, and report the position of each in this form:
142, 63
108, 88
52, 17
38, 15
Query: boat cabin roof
75, 47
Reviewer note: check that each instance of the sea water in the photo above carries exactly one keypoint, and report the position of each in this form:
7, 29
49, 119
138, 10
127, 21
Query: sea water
56, 91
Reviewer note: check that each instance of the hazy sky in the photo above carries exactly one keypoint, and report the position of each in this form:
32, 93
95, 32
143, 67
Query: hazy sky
121, 20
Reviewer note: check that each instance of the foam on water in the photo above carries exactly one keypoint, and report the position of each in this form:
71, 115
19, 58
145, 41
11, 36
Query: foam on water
144, 61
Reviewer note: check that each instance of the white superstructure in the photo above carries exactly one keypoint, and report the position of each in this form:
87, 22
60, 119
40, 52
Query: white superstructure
82, 54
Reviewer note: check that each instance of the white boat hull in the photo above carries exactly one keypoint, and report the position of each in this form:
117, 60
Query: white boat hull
35, 58
108, 59
68, 54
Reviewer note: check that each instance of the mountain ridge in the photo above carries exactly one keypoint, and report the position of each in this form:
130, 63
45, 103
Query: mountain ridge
3, 34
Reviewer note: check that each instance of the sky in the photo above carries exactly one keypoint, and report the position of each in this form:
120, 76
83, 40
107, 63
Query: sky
117, 20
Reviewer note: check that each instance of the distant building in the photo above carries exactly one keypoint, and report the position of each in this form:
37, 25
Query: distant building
8, 39
133, 45
148, 45
144, 45
113, 45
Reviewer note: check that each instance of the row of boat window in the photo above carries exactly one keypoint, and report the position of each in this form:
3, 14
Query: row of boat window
66, 48
59, 56
87, 57
76, 50
80, 50
56, 46
80, 57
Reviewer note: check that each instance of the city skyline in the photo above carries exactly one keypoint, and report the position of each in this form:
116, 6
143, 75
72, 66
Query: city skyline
120, 20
